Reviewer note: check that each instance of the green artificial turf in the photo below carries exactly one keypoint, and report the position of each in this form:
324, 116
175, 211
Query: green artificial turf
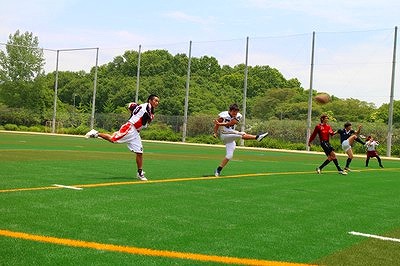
267, 205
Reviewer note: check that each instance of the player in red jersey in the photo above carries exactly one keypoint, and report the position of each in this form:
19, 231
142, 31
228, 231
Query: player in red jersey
324, 132
129, 133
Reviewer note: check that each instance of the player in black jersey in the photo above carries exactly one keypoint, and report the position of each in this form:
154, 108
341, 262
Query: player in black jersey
347, 138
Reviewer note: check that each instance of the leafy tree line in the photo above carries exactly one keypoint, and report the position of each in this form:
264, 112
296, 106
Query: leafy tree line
213, 87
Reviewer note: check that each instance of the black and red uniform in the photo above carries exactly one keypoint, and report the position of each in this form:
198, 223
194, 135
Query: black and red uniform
324, 131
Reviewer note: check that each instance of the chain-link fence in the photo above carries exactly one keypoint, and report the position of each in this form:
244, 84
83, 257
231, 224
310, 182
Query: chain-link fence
355, 64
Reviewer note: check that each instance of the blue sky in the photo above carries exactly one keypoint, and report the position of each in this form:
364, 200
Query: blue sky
354, 39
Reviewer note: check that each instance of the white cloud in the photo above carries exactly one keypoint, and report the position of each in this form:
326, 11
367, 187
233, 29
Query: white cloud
27, 13
183, 17
355, 14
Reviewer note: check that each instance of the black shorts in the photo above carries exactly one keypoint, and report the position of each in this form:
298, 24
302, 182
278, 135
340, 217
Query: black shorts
326, 146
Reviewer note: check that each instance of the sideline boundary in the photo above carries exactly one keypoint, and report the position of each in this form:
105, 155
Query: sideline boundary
204, 145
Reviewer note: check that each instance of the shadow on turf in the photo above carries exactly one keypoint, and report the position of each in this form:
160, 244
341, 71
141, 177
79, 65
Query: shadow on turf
119, 178
208, 175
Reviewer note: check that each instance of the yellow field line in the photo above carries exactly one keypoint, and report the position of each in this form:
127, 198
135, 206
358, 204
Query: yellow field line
143, 251
176, 180
148, 182
27, 189
170, 180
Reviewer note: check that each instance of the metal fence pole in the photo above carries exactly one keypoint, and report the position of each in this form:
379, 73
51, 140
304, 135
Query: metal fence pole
310, 92
243, 128
390, 122
94, 90
185, 117
53, 126
138, 75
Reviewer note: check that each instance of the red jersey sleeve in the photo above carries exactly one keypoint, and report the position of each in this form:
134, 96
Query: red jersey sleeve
314, 134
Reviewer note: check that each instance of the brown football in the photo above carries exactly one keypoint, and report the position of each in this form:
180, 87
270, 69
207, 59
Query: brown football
322, 98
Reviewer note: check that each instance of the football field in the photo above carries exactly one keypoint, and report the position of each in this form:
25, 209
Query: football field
67, 200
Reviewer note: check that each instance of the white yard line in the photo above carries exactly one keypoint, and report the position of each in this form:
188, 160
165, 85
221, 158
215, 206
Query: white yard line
69, 187
375, 236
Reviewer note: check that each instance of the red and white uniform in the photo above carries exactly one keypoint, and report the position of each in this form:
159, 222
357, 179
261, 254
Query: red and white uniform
129, 132
371, 148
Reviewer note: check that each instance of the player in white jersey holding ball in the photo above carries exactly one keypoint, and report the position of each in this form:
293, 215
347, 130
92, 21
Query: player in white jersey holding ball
228, 120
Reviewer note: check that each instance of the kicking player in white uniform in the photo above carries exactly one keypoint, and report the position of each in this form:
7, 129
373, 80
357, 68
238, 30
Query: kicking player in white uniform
141, 116
228, 134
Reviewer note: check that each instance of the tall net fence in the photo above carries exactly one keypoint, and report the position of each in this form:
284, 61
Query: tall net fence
354, 64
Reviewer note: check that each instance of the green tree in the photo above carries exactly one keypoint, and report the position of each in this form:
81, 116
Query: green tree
262, 78
23, 83
206, 66
23, 94
382, 114
352, 110
273, 103
156, 62
74, 86
24, 59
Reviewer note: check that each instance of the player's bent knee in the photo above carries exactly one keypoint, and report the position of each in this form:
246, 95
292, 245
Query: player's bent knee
229, 156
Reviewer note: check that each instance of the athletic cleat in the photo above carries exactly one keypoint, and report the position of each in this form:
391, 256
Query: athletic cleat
347, 169
92, 134
362, 136
141, 177
318, 170
217, 173
261, 136
342, 172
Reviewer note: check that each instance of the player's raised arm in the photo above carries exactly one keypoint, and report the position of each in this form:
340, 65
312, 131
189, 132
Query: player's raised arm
358, 130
